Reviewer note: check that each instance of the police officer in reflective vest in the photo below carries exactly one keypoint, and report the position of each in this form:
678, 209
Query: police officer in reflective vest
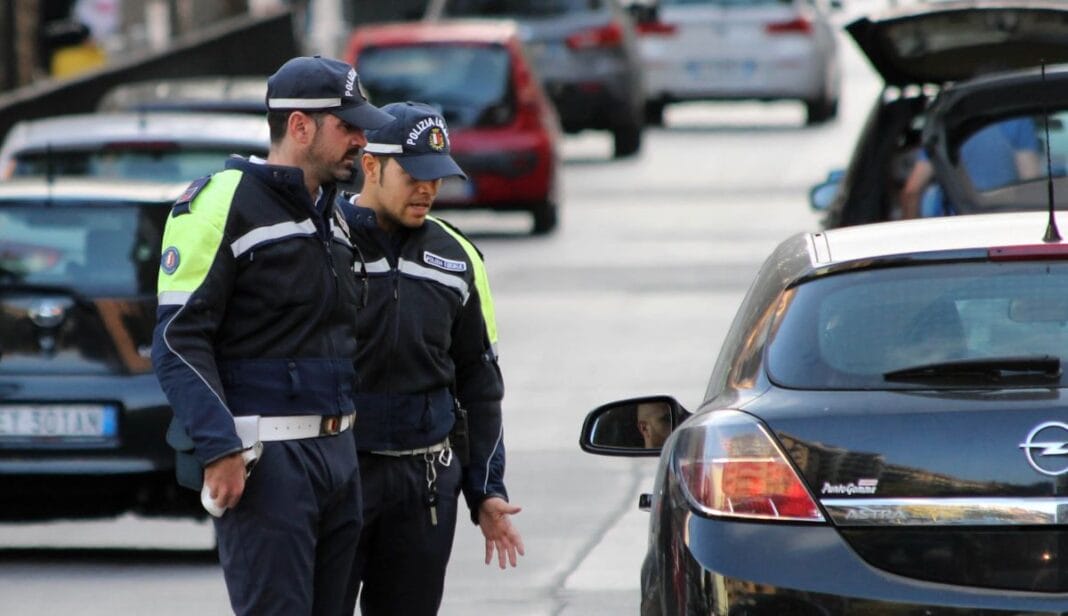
254, 347
426, 358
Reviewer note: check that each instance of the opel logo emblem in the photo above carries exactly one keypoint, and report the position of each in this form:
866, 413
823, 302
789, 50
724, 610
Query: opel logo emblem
1046, 448
47, 313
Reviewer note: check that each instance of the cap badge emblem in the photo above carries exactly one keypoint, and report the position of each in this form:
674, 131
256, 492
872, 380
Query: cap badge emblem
436, 139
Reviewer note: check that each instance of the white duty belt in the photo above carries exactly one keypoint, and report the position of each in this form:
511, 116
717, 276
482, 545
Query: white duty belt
292, 427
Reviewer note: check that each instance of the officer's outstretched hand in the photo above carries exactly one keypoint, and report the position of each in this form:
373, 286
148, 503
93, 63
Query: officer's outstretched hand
496, 524
225, 478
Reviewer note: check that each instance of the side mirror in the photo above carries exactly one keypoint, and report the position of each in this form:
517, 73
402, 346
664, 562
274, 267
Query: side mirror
635, 427
822, 195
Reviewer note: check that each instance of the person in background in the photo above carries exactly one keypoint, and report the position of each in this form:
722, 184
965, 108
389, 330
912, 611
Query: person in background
430, 389
997, 155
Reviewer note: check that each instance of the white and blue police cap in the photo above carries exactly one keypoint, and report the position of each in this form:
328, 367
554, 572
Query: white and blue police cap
418, 139
314, 83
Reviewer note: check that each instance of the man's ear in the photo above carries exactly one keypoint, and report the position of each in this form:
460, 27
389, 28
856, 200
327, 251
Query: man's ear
301, 127
371, 167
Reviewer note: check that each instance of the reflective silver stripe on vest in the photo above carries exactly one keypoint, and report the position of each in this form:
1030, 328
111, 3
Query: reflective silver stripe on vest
272, 232
947, 511
380, 266
339, 235
174, 298
449, 280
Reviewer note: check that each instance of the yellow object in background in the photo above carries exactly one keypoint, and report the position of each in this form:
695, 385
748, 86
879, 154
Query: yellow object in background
70, 61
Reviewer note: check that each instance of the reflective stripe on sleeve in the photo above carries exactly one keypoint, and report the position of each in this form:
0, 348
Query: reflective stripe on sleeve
278, 231
174, 298
449, 280
481, 282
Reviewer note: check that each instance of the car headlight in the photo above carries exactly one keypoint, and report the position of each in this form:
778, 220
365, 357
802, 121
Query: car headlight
729, 465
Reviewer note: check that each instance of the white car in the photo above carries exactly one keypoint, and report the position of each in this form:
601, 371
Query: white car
166, 147
738, 50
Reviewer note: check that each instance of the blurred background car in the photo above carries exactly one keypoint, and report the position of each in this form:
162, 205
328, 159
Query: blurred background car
737, 50
503, 130
585, 52
222, 94
165, 147
887, 409
920, 49
82, 417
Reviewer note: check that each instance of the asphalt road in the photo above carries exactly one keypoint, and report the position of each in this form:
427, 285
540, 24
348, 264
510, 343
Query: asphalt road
631, 296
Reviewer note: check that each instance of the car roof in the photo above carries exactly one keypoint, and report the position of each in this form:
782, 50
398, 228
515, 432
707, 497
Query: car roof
488, 31
240, 93
939, 42
89, 189
891, 240
79, 130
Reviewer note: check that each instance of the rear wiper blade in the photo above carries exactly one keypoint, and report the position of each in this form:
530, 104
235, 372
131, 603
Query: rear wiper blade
1046, 367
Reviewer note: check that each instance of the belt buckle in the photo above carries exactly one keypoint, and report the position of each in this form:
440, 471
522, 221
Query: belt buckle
330, 425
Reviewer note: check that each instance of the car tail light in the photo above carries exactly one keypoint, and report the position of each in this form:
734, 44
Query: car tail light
798, 25
729, 465
609, 35
656, 28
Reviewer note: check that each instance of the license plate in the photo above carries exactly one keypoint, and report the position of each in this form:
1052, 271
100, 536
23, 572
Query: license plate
722, 70
58, 421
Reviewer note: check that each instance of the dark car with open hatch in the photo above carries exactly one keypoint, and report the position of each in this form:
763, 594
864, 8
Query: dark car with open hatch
885, 432
82, 417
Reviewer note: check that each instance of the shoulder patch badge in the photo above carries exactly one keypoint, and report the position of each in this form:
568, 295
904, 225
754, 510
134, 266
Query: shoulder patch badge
169, 261
181, 205
448, 265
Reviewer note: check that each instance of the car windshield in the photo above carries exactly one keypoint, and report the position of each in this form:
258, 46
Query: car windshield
469, 83
93, 249
163, 164
855, 330
517, 8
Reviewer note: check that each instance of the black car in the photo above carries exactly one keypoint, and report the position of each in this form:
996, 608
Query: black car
82, 417
930, 51
884, 432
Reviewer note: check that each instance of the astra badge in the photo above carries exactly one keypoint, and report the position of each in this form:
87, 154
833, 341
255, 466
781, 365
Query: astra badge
1046, 448
168, 262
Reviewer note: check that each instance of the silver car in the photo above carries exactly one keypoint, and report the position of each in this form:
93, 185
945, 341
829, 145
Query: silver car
740, 49
167, 147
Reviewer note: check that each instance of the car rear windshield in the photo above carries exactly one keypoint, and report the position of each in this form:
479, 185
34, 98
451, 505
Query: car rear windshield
518, 8
469, 83
847, 331
163, 163
93, 249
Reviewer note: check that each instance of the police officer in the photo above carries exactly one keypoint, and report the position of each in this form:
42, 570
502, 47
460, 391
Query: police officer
426, 355
255, 325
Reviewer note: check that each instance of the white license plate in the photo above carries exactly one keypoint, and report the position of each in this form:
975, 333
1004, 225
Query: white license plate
58, 420
722, 70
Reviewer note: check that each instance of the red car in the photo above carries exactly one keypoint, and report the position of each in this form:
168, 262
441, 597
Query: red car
505, 132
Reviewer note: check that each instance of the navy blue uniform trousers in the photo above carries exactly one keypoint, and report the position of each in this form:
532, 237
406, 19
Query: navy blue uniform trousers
402, 555
288, 546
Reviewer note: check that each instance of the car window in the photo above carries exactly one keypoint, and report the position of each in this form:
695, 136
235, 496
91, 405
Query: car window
518, 8
469, 83
163, 165
112, 250
846, 331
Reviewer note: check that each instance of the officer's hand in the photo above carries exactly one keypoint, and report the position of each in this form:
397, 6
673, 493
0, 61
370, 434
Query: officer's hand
225, 478
496, 525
